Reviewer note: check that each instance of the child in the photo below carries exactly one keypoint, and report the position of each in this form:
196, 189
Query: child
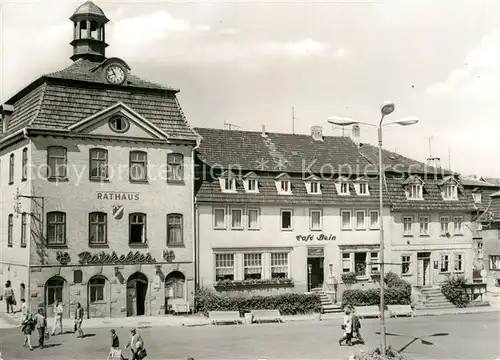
347, 327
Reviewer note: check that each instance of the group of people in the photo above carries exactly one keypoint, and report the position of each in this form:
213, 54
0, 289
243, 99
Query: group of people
30, 322
136, 346
351, 327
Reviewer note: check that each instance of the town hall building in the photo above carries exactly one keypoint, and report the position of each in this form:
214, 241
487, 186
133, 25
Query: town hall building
96, 187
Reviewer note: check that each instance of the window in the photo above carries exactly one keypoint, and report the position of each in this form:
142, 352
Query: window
480, 251
374, 262
424, 225
56, 228
286, 220
444, 220
228, 184
252, 185
57, 162
459, 263
175, 167
363, 189
346, 262
405, 264
346, 220
24, 174
174, 229
477, 197
285, 186
96, 289
457, 225
445, 259
10, 230
237, 219
55, 287
360, 263
314, 188
137, 233
11, 169
494, 262
252, 266
77, 276
224, 267
360, 220
119, 124
23, 229
407, 225
315, 219
415, 191
279, 265
344, 188
253, 219
220, 218
98, 164
450, 192
175, 285
374, 220
138, 163
98, 228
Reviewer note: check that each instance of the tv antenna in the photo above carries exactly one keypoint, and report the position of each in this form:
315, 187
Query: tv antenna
231, 126
336, 127
293, 119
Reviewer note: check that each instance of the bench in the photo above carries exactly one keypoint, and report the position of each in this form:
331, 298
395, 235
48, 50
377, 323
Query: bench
224, 317
181, 308
400, 310
266, 315
368, 311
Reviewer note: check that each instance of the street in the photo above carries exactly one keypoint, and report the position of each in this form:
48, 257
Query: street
471, 336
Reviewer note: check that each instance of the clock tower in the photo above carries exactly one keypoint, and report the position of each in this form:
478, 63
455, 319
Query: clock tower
89, 33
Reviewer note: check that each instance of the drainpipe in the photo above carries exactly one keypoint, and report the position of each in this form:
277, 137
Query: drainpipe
194, 222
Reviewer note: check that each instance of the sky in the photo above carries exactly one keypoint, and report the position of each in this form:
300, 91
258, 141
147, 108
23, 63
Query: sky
247, 63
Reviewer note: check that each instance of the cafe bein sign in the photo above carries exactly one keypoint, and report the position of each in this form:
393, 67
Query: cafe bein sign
318, 237
102, 258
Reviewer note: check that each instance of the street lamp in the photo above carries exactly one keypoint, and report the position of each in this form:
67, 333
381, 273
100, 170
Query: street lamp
386, 109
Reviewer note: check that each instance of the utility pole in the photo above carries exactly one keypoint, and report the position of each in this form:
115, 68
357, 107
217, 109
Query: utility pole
293, 119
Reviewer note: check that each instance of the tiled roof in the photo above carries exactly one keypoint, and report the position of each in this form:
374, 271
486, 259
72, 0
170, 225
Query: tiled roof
433, 200
210, 191
398, 163
290, 153
492, 180
89, 8
61, 99
468, 182
494, 210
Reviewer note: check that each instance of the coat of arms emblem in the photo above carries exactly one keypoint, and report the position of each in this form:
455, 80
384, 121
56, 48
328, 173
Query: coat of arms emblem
118, 211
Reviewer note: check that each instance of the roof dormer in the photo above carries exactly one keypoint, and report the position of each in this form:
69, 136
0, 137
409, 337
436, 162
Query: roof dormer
361, 186
449, 188
251, 182
477, 196
342, 185
227, 181
414, 188
313, 185
283, 184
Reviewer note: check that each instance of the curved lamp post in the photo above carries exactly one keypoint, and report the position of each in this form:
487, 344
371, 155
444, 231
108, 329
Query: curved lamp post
386, 109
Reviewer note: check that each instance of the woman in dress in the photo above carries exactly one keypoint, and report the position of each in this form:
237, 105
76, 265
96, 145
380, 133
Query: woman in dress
27, 327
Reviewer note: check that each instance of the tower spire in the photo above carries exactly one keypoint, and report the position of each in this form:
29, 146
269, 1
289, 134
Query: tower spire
89, 32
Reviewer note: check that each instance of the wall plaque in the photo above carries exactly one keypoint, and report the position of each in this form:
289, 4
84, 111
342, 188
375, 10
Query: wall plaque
103, 258
315, 252
317, 237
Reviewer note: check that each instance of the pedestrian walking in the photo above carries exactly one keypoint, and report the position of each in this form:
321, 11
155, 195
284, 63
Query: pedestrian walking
41, 326
356, 325
8, 295
347, 327
136, 345
24, 307
115, 352
78, 320
27, 326
58, 317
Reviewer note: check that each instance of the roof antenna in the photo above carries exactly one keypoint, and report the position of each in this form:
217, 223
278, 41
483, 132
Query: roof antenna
293, 120
230, 126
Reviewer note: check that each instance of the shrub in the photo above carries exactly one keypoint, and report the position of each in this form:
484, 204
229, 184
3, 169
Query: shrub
397, 292
348, 278
287, 304
390, 354
454, 290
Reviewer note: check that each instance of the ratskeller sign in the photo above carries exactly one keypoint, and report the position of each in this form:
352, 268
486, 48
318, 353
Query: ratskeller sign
102, 258
319, 237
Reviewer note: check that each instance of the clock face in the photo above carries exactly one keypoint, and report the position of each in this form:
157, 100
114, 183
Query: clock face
115, 74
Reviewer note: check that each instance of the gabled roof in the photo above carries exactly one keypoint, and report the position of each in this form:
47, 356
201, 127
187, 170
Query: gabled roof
276, 153
251, 175
228, 174
413, 179
312, 178
342, 179
494, 181
361, 179
476, 181
448, 180
282, 176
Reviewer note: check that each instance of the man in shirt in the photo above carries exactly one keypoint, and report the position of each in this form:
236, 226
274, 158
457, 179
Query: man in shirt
58, 317
136, 345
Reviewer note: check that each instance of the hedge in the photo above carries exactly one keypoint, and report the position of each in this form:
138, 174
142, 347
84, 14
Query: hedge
287, 304
454, 290
397, 292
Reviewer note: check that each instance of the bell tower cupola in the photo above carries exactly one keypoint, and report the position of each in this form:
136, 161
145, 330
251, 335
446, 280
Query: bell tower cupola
89, 33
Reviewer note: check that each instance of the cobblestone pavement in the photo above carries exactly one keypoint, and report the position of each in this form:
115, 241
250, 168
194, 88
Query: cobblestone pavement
471, 336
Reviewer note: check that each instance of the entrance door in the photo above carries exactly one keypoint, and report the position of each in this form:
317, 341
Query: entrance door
424, 269
137, 286
315, 272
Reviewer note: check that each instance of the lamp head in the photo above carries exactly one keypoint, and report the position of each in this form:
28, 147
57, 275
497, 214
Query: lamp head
342, 121
387, 108
407, 121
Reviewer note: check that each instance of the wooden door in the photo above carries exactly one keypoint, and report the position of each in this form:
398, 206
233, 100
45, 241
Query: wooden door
420, 272
427, 272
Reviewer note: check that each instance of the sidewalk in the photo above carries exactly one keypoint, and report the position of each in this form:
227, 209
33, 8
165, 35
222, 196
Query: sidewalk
8, 321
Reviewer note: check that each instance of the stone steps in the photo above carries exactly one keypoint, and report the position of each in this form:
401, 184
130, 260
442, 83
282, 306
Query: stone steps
433, 298
327, 306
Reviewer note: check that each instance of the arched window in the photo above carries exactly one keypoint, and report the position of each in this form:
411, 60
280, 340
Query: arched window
98, 164
98, 232
174, 229
56, 228
55, 290
175, 167
96, 289
174, 285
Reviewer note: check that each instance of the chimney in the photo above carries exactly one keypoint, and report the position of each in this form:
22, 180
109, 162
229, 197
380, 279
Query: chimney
356, 134
264, 131
6, 110
435, 162
317, 133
